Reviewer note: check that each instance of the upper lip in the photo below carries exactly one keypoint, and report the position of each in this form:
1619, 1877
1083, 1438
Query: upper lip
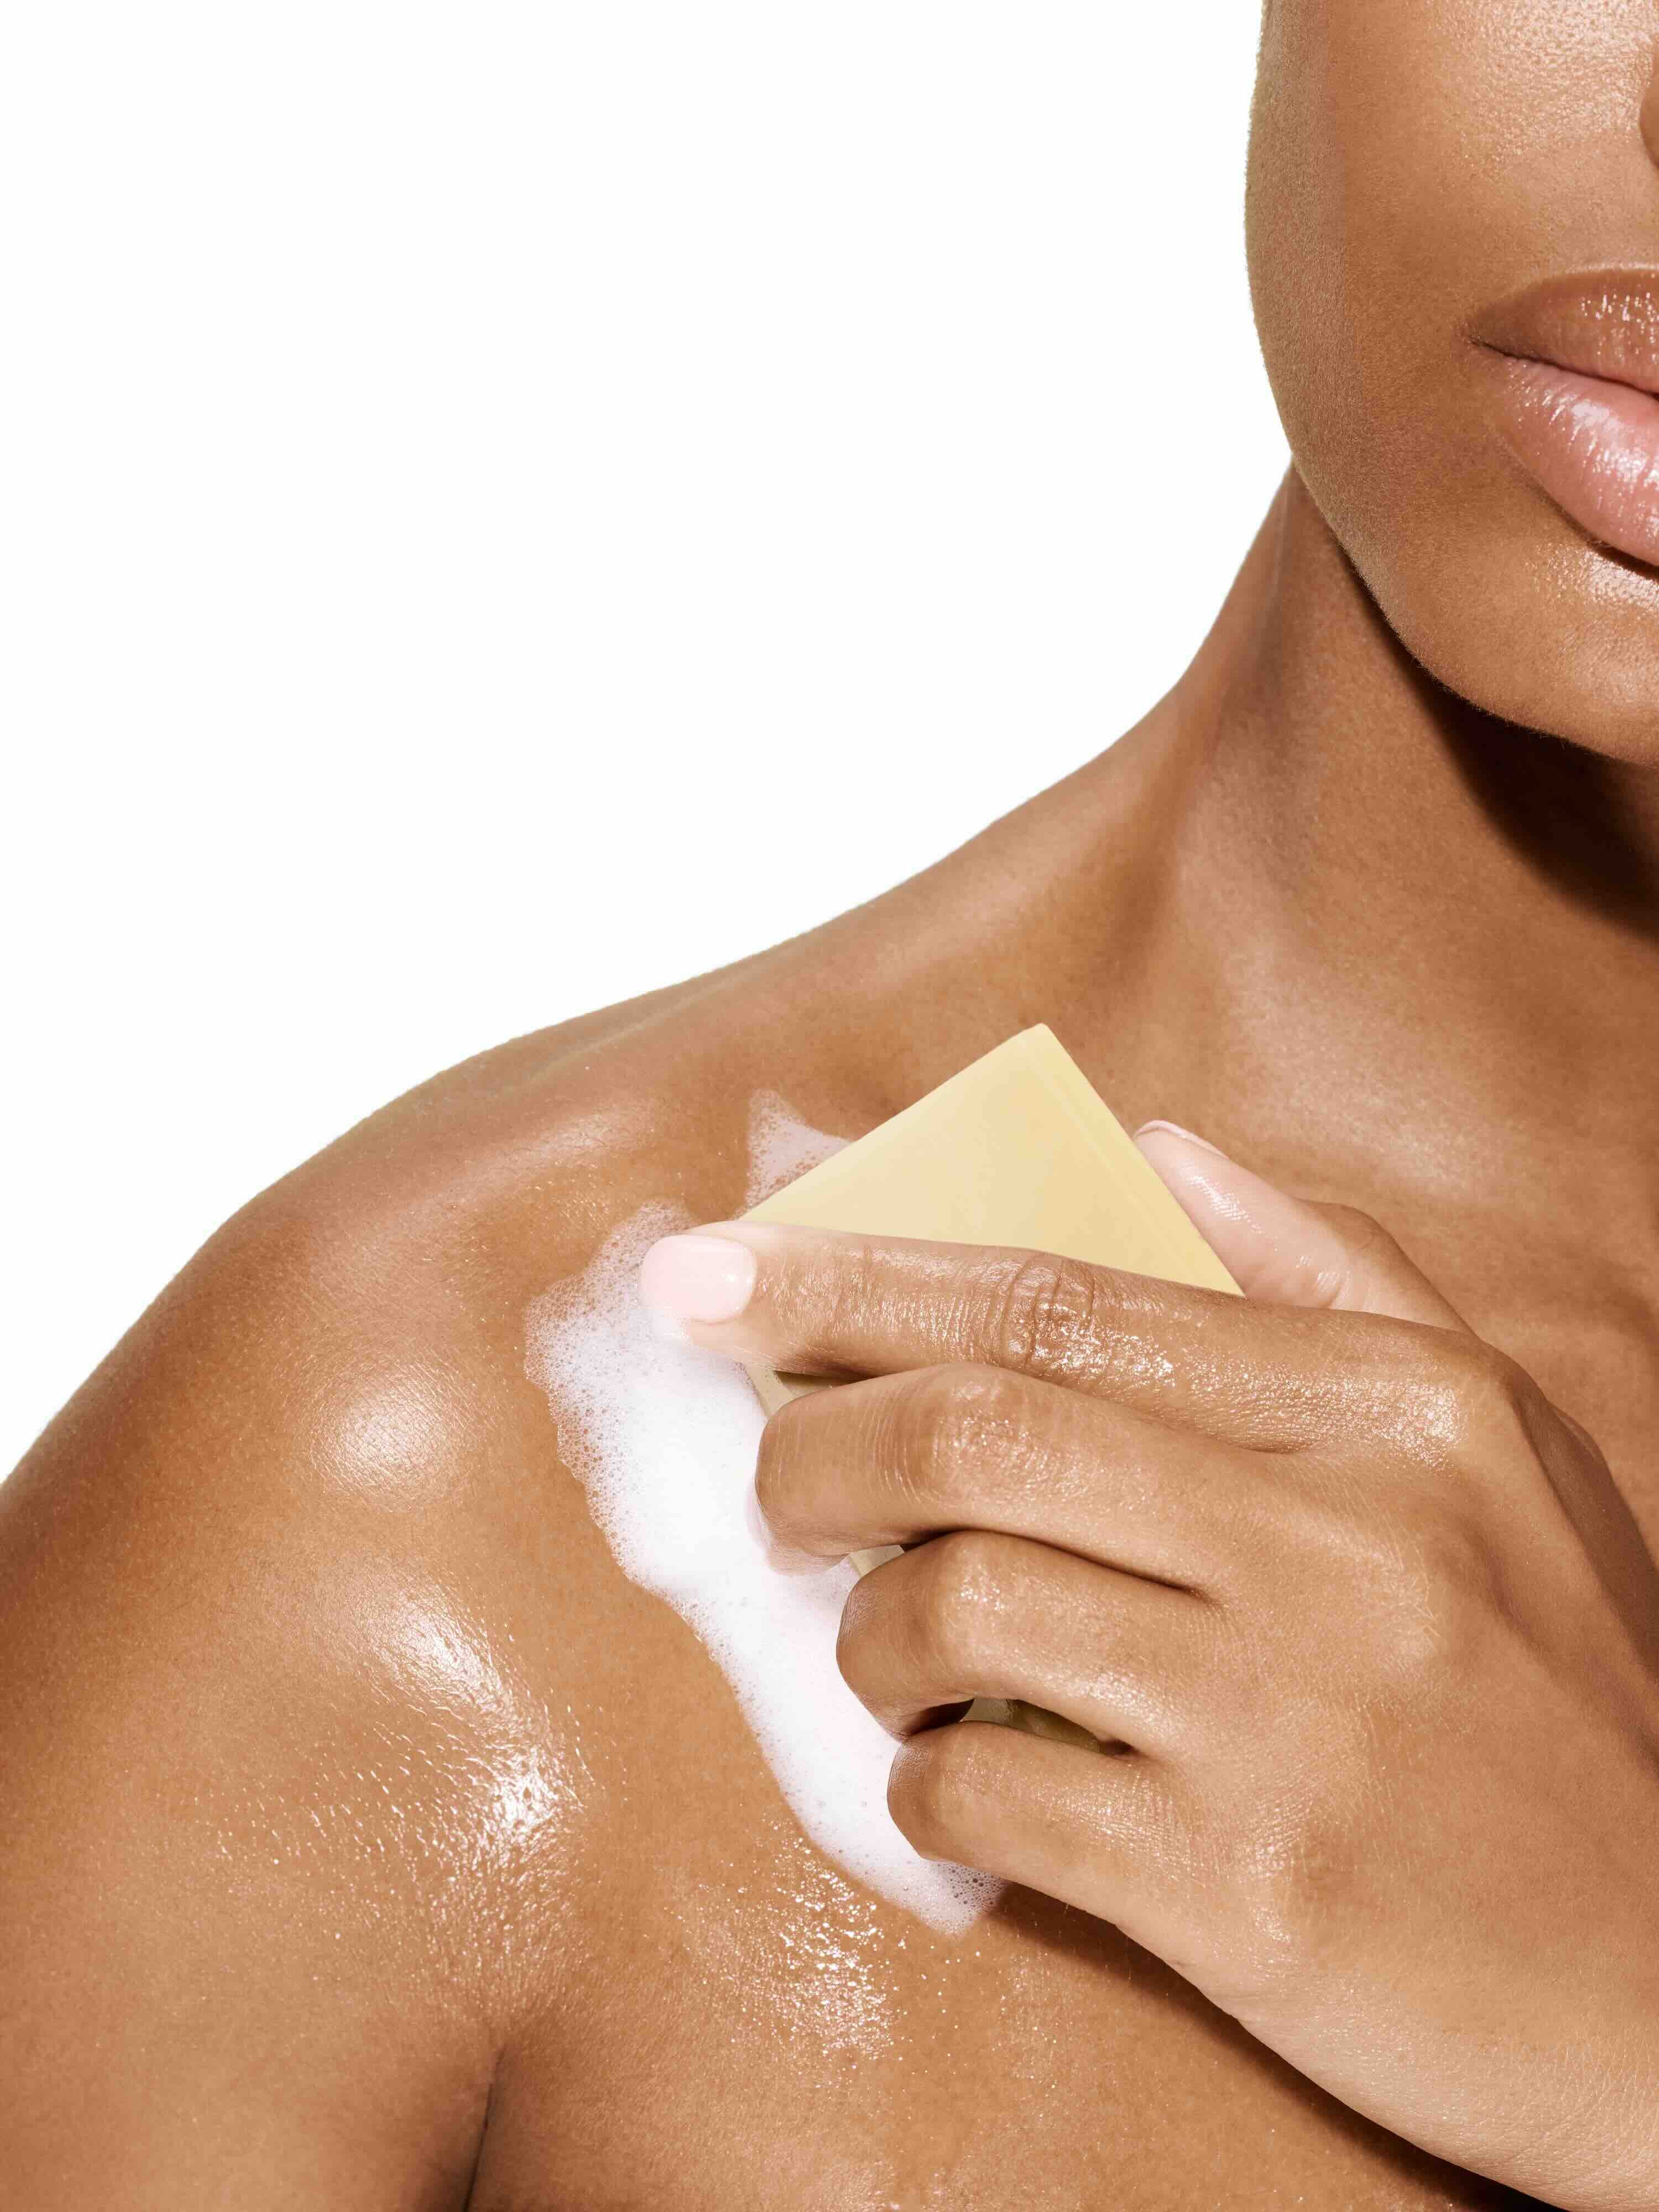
1602, 323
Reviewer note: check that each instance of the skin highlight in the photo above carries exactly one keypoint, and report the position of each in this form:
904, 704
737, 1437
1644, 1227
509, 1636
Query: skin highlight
371, 1840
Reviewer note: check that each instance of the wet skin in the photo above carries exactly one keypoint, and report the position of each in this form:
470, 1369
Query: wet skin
369, 1840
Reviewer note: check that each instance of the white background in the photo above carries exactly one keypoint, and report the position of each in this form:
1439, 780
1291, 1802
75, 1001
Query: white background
469, 471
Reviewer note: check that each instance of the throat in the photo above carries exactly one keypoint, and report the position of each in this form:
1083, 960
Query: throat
1345, 925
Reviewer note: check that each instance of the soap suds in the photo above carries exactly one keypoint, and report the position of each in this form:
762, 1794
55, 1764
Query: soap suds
781, 1148
663, 1437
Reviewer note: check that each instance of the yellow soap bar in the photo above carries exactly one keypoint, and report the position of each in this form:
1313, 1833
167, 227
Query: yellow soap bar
1020, 1150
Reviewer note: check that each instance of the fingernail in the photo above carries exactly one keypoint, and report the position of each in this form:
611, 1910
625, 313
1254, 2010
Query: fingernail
705, 1278
1175, 1129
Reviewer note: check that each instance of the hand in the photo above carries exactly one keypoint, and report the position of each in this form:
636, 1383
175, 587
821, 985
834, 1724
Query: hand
1369, 1635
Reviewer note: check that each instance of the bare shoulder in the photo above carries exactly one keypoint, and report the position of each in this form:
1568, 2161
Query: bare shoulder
317, 1665
360, 1789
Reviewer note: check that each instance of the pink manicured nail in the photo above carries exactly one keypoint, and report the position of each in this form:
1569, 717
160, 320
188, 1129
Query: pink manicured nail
705, 1278
1175, 1129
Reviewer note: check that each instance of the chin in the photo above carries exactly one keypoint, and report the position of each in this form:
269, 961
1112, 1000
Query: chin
1522, 618
1572, 653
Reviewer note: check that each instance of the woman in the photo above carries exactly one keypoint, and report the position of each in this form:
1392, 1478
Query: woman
372, 1839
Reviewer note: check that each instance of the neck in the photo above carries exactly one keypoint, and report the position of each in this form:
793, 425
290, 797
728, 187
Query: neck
1381, 910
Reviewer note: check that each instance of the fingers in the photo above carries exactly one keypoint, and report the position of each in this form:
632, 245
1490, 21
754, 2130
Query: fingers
1113, 1836
906, 1457
821, 1301
976, 1615
1285, 1250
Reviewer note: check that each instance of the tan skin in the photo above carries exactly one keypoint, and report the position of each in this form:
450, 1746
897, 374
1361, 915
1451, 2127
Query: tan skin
369, 1840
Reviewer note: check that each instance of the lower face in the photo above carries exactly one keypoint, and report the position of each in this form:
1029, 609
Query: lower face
1454, 233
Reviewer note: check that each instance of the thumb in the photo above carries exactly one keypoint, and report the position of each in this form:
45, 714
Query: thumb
1289, 1251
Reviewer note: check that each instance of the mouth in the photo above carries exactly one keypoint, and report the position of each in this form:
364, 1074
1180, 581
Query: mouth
1576, 395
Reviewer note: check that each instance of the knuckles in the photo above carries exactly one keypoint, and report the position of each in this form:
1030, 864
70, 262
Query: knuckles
1361, 1232
1041, 1314
941, 1794
952, 1422
959, 1581
1378, 1612
926, 1624
913, 1452
1404, 1545
1481, 1408
1357, 1227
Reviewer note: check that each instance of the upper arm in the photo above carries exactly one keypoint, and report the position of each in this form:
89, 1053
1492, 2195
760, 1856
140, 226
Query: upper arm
255, 1731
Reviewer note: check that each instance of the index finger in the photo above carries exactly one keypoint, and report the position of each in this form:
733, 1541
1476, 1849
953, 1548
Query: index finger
830, 1302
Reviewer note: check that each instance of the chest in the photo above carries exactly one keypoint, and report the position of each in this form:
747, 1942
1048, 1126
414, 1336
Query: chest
758, 2036
737, 2025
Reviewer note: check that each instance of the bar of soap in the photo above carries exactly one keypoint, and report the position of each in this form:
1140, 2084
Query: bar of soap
1020, 1149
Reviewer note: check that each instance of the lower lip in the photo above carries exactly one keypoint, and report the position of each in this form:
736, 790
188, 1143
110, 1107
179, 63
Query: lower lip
1593, 446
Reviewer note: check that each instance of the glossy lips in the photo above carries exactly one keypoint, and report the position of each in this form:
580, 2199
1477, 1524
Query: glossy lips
1576, 361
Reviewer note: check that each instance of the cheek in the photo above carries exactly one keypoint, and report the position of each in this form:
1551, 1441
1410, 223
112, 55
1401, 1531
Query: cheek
1413, 161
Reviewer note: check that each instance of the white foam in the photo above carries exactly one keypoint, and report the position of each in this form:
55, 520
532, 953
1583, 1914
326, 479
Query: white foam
780, 1147
663, 1437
